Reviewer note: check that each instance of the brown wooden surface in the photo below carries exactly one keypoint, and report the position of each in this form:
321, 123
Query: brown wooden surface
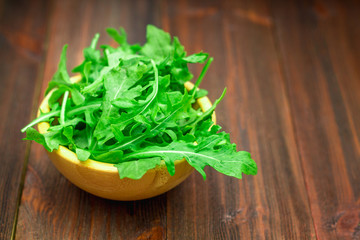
22, 38
292, 69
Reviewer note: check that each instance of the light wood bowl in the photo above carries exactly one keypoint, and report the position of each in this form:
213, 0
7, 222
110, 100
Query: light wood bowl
102, 179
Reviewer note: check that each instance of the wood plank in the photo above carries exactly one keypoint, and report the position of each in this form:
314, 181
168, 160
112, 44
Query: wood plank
51, 207
22, 33
318, 42
273, 204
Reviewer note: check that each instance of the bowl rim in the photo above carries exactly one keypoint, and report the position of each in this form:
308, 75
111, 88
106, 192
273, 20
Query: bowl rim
71, 157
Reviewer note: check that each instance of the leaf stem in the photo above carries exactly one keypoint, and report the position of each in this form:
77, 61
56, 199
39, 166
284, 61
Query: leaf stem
63, 107
201, 76
74, 111
42, 118
95, 41
45, 117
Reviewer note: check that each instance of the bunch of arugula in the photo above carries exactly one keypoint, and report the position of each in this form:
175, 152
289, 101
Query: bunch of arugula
131, 109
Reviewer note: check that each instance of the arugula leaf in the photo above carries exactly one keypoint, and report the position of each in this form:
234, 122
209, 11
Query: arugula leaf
212, 151
158, 45
161, 124
116, 83
61, 77
110, 157
51, 140
44, 117
91, 55
136, 169
119, 37
196, 58
61, 81
130, 108
82, 154
32, 134
140, 108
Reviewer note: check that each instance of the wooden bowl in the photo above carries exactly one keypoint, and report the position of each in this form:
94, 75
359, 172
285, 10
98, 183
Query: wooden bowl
102, 179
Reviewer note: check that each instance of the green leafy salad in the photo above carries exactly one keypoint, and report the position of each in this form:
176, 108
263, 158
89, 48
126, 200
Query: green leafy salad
131, 109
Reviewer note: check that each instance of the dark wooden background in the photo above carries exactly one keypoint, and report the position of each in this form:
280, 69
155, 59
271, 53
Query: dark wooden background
292, 69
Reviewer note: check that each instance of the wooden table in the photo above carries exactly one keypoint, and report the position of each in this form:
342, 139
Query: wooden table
292, 69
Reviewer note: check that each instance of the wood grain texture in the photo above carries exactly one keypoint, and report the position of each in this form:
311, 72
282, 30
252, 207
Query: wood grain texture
22, 33
51, 207
316, 40
273, 204
292, 73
